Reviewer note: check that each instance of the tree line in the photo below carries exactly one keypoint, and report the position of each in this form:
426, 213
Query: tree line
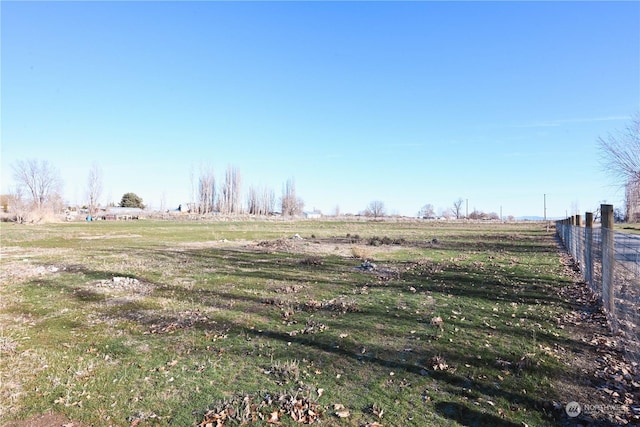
38, 188
226, 198
39, 184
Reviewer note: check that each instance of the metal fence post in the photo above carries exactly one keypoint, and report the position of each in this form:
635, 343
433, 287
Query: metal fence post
608, 246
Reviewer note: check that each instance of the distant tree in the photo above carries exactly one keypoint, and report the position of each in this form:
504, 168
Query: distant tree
444, 213
260, 201
94, 187
619, 215
229, 200
427, 211
476, 214
206, 190
39, 179
493, 215
375, 209
457, 208
17, 205
290, 203
131, 200
4, 202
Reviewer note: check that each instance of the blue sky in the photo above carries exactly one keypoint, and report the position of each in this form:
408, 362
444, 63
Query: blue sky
408, 103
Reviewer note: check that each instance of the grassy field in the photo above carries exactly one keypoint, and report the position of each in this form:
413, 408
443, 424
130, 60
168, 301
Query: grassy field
161, 323
628, 228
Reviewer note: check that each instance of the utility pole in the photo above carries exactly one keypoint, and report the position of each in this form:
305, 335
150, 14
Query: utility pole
500, 213
467, 215
545, 212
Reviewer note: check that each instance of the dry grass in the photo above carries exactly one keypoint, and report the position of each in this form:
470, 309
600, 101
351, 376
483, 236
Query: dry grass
212, 315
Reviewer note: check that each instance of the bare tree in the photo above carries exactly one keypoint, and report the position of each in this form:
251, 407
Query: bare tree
18, 205
444, 213
268, 200
260, 201
375, 209
632, 201
427, 211
252, 201
229, 200
620, 156
39, 178
620, 153
290, 204
457, 208
94, 187
206, 190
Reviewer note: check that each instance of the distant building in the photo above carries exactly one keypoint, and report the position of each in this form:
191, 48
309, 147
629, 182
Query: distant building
633, 201
118, 213
313, 215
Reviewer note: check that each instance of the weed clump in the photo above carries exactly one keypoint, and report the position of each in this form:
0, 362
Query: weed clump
312, 260
360, 253
353, 238
285, 372
379, 241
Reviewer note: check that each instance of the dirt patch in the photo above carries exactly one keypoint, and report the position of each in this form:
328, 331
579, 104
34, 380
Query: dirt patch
109, 236
17, 265
605, 384
45, 420
122, 284
280, 245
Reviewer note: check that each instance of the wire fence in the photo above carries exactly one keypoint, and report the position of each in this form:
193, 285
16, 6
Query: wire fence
610, 265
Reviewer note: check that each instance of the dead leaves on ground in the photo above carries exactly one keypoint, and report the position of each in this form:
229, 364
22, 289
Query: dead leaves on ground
182, 320
341, 411
340, 305
613, 379
301, 406
437, 321
438, 363
267, 407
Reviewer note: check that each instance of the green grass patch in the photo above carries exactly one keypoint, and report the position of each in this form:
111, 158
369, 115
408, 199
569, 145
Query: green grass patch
143, 323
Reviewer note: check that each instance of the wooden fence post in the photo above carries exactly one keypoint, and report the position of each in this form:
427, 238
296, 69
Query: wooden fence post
588, 252
608, 236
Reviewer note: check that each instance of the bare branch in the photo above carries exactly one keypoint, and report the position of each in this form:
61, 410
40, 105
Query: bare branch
620, 153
